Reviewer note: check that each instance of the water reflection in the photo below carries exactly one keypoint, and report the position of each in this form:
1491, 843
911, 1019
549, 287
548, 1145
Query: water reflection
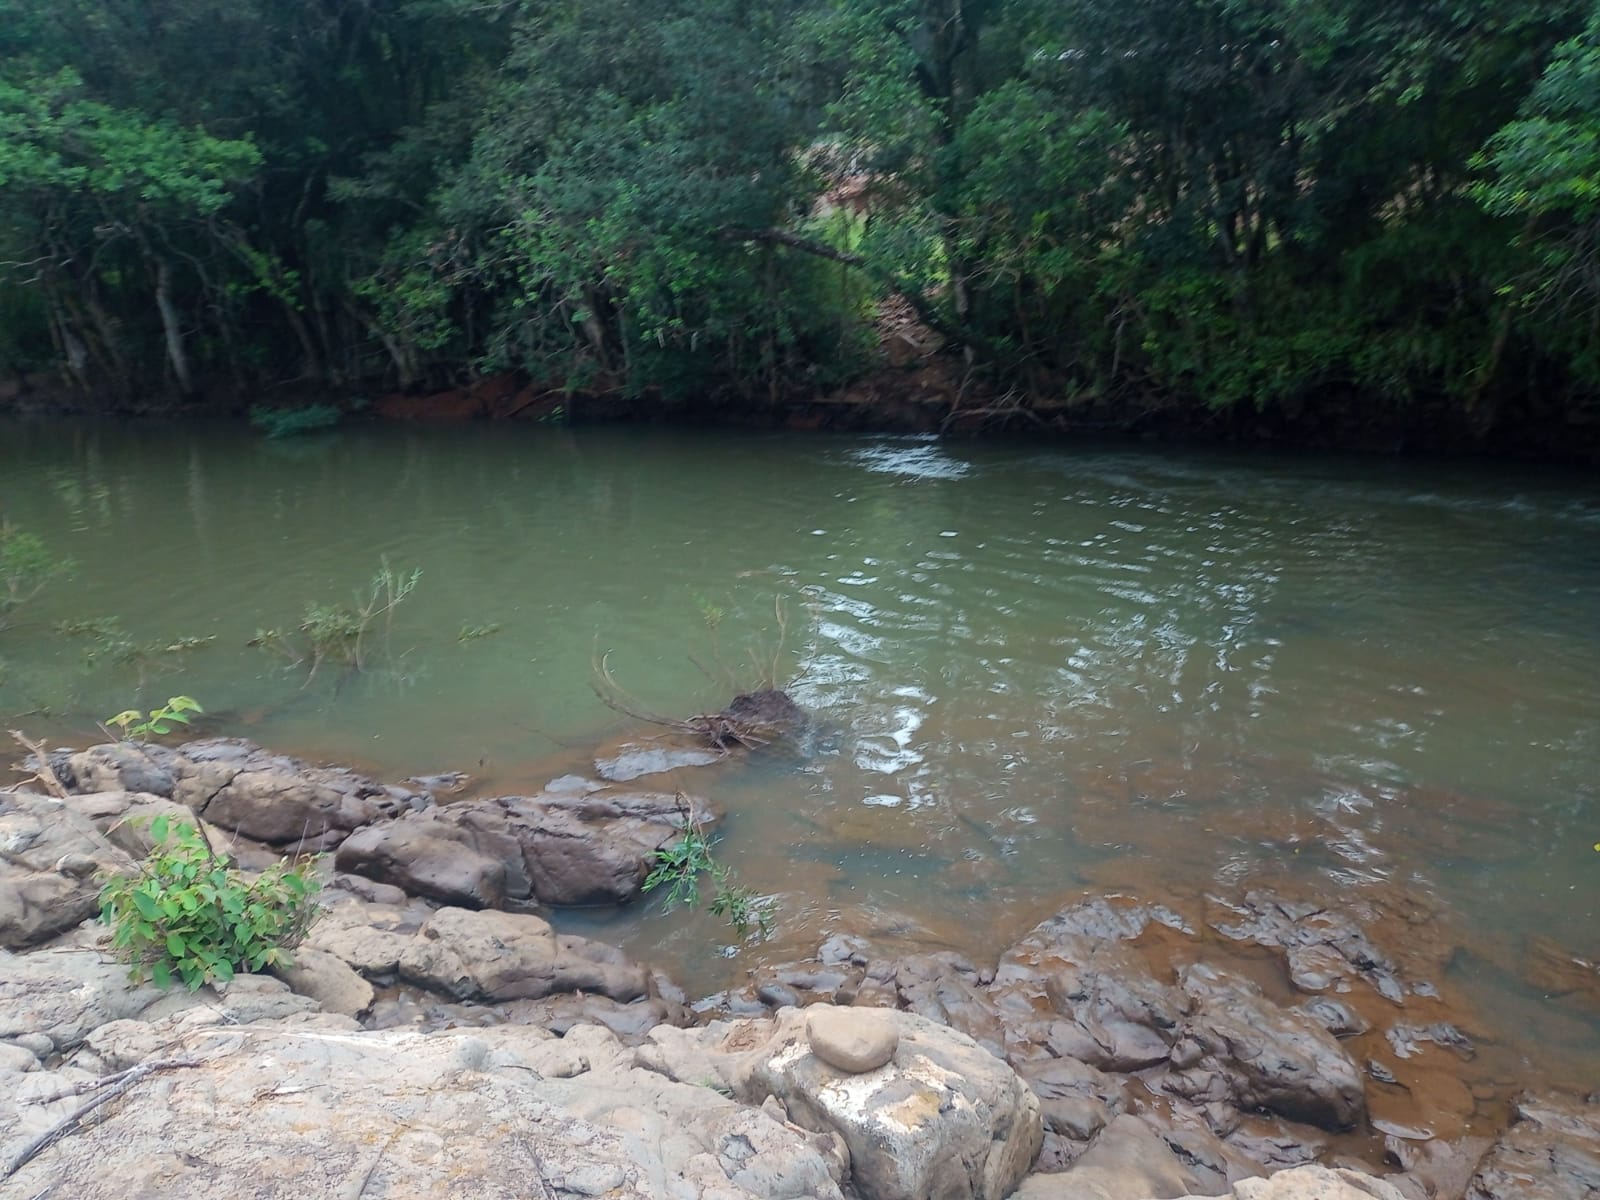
1035, 671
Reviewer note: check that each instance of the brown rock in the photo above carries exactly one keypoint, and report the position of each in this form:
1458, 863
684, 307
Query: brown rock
854, 1040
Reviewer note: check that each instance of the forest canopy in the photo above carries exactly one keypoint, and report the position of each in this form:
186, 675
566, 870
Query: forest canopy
1203, 203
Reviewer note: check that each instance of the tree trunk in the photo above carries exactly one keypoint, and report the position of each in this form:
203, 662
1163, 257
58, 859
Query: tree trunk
176, 354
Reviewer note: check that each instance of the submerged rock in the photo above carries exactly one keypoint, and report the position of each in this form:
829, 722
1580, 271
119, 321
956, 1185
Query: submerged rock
1551, 1152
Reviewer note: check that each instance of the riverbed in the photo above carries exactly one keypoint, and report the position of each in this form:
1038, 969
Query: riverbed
1033, 668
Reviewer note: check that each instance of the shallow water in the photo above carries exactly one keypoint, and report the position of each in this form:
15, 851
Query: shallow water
1036, 668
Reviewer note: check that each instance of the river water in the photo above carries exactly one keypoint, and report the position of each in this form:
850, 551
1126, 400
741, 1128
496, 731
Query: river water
1035, 668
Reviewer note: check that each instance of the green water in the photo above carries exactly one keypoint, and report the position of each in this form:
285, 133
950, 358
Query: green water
1035, 667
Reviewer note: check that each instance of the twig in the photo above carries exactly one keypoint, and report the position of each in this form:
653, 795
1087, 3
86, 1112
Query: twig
112, 1086
45, 773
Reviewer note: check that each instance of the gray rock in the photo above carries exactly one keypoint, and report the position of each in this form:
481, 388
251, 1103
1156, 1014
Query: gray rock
286, 1113
1127, 1161
1267, 1057
1314, 1183
237, 785
50, 858
329, 980
1551, 1152
560, 848
943, 1119
855, 1040
506, 956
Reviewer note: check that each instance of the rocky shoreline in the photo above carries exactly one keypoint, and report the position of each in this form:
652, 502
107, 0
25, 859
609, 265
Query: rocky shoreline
437, 1036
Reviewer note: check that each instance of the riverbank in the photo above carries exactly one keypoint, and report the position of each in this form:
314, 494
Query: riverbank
912, 391
1132, 1043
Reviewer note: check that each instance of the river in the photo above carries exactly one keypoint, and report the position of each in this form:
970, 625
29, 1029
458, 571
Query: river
1035, 668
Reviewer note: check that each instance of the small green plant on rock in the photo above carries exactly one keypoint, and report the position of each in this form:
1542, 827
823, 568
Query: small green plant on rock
191, 916
159, 721
683, 866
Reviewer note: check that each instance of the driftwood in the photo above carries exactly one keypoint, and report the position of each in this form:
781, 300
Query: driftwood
106, 1090
44, 773
750, 721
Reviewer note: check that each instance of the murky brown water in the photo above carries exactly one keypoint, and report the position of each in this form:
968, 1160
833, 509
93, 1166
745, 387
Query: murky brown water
1035, 669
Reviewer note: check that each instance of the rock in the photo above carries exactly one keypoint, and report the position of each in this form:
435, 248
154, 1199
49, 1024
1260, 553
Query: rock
239, 786
329, 980
370, 937
1559, 972
942, 1119
1551, 1152
853, 1040
1127, 1161
1314, 1183
65, 994
1266, 1057
50, 862
1321, 947
492, 1114
630, 759
562, 848
631, 1022
505, 956
469, 955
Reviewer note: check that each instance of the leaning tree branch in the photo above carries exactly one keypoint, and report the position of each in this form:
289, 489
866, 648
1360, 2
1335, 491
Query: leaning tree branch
44, 772
955, 334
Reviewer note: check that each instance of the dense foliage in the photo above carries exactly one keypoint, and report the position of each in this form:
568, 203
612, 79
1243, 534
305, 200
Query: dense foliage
188, 915
1193, 203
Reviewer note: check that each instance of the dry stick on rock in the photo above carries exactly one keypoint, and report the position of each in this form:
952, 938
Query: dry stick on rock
44, 773
109, 1089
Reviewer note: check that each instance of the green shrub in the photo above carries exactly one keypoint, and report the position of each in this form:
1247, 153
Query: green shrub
681, 866
188, 915
286, 422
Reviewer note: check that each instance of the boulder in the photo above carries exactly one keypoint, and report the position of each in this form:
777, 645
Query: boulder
65, 994
853, 1040
482, 956
51, 865
559, 848
495, 956
943, 1119
329, 980
1128, 1161
1264, 1056
239, 786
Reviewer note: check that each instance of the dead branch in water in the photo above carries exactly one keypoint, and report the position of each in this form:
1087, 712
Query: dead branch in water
720, 730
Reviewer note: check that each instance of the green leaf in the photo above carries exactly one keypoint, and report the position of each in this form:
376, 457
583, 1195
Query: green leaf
175, 946
161, 973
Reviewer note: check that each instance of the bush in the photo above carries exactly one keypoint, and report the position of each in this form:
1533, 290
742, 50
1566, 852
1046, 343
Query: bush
188, 914
287, 422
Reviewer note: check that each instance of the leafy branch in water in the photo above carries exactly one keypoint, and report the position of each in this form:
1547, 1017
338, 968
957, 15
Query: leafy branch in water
684, 866
111, 643
340, 632
27, 567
